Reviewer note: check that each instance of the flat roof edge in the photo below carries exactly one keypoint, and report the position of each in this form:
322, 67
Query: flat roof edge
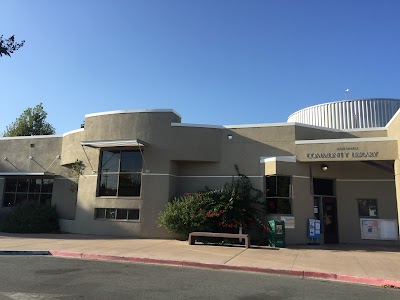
196, 125
257, 125
113, 112
74, 131
31, 137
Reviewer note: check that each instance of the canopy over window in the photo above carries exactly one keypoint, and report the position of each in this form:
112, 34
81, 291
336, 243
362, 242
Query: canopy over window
27, 174
115, 143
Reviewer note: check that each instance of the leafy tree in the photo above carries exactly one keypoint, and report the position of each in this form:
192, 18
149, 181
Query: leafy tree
8, 46
31, 122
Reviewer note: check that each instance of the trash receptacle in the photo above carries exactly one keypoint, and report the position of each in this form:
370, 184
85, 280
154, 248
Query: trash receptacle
276, 236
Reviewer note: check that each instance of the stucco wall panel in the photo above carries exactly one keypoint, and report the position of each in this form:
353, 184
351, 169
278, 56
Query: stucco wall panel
64, 197
43, 153
262, 134
347, 206
146, 126
302, 206
85, 221
72, 149
195, 144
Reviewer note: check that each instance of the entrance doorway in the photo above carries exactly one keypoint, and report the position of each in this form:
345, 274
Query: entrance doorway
325, 209
330, 220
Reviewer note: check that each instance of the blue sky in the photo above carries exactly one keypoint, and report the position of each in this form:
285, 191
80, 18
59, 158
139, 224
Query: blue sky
213, 61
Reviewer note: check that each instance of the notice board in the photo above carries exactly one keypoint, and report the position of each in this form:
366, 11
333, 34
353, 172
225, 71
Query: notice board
379, 229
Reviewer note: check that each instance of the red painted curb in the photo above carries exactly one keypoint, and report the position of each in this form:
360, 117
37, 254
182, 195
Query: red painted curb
66, 254
304, 274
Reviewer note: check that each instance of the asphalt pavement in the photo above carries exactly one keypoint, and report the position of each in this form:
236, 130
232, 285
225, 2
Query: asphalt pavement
46, 277
366, 264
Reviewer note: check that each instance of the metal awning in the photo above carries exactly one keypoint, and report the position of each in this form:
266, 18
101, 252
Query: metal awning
27, 174
115, 143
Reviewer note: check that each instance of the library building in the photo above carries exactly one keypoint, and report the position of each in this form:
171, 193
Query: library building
331, 172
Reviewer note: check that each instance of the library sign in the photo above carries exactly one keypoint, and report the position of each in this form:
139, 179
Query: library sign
343, 153
356, 151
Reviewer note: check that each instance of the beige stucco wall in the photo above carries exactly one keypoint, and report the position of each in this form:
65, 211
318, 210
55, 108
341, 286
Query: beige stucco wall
348, 191
44, 154
164, 145
353, 180
180, 158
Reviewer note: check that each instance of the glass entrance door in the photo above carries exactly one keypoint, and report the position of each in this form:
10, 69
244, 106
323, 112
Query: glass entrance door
330, 220
325, 208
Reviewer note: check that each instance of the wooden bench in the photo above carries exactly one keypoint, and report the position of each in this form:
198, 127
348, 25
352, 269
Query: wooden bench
246, 237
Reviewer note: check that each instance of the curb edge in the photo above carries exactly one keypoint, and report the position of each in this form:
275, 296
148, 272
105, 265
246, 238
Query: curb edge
299, 273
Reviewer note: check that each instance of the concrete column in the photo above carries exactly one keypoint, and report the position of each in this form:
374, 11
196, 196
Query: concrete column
397, 182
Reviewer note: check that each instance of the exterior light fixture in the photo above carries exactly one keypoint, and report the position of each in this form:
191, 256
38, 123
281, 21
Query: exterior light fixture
324, 168
230, 137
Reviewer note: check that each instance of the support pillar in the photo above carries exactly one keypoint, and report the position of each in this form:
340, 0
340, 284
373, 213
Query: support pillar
397, 183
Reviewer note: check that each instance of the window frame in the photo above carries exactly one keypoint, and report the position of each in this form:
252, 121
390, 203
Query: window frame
115, 219
368, 199
118, 173
289, 198
42, 197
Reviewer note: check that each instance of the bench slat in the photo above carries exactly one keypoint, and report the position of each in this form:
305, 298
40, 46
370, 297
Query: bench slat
221, 235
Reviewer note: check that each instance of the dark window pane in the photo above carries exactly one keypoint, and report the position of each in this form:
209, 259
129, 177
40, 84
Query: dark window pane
47, 186
281, 206
133, 214
45, 199
11, 185
121, 214
108, 185
272, 205
271, 186
367, 208
33, 197
131, 161
9, 199
34, 185
283, 186
110, 161
100, 213
324, 187
284, 206
129, 185
19, 198
22, 185
110, 213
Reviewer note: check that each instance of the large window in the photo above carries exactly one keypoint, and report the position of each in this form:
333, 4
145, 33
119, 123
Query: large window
32, 189
278, 195
120, 173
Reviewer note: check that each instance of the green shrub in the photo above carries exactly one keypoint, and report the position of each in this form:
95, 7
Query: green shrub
225, 210
31, 217
185, 214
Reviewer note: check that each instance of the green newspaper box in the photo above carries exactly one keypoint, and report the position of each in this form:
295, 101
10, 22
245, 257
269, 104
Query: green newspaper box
276, 236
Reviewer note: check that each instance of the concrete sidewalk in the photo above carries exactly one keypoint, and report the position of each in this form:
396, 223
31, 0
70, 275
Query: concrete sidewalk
375, 265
